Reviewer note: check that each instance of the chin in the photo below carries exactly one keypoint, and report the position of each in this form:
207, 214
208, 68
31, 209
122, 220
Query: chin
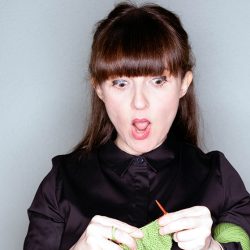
143, 148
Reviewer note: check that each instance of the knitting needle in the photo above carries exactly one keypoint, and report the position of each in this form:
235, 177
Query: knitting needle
161, 207
163, 210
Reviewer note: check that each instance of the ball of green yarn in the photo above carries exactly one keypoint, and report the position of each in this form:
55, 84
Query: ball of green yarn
152, 239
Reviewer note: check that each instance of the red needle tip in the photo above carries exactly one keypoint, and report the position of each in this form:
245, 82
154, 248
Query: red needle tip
161, 207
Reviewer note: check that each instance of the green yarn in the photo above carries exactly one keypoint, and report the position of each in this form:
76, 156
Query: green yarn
223, 233
152, 239
228, 232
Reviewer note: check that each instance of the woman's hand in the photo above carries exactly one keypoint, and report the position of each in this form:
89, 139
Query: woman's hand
191, 228
100, 232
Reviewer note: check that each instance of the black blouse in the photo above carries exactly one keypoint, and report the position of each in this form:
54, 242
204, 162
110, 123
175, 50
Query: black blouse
113, 183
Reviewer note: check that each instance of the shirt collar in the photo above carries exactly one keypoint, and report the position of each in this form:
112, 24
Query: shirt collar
112, 157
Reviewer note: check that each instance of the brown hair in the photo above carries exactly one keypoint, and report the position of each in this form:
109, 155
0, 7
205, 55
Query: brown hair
139, 41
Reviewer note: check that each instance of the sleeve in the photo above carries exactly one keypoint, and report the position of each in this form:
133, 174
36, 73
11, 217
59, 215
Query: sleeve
236, 209
231, 246
46, 224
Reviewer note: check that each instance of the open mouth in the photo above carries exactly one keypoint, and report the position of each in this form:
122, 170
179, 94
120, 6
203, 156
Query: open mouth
141, 128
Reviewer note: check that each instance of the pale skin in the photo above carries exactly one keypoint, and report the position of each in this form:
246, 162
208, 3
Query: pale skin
98, 235
154, 98
146, 98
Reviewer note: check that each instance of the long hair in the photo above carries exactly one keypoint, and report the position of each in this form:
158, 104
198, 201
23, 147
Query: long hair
139, 41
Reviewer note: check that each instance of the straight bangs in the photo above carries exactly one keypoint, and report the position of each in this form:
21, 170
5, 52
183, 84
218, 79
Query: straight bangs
135, 45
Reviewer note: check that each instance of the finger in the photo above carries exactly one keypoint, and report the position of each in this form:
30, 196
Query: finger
106, 221
192, 234
180, 225
85, 242
107, 244
101, 231
188, 212
91, 243
125, 238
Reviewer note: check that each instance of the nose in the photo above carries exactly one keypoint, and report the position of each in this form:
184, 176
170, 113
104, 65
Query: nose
139, 100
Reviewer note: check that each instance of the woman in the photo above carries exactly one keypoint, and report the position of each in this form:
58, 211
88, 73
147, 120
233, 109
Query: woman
140, 146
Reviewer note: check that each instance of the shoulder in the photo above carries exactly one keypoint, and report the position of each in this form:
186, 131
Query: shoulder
190, 151
216, 159
74, 162
195, 158
67, 168
213, 163
70, 158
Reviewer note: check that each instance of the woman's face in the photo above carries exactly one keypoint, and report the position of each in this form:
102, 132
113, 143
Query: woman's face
142, 109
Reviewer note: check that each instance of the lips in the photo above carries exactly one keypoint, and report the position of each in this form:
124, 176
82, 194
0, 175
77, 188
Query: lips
141, 128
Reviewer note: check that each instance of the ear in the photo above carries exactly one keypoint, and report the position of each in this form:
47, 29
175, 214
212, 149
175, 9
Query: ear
99, 92
97, 88
186, 81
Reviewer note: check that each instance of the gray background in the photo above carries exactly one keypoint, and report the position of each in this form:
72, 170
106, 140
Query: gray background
44, 49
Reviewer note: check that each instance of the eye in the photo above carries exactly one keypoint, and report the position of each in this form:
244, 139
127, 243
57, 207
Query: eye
159, 80
120, 83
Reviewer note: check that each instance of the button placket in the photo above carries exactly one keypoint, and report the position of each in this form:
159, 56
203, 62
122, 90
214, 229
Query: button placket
140, 160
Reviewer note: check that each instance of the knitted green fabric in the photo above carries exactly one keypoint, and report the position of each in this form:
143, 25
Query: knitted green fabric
223, 233
152, 239
227, 232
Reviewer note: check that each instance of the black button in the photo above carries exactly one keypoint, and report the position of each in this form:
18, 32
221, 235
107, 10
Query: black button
140, 160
